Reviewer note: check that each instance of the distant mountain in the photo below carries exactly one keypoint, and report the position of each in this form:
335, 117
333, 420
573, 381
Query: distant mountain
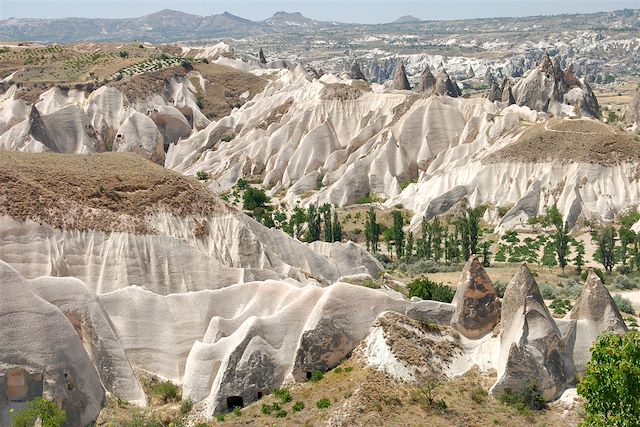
291, 19
407, 19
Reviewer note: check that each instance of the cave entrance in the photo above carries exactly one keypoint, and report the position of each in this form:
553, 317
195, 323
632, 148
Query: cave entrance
234, 402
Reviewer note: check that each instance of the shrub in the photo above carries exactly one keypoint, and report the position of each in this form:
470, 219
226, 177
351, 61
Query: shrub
624, 304
202, 175
266, 409
166, 390
49, 413
254, 198
611, 384
237, 411
369, 198
428, 290
316, 376
500, 286
281, 413
348, 369
186, 406
220, 418
479, 395
228, 137
424, 266
598, 272
529, 397
283, 394
548, 291
560, 306
323, 403
338, 370
298, 406
624, 282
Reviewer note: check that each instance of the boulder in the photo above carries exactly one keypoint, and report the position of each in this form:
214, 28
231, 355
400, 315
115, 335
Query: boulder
400, 81
477, 305
531, 346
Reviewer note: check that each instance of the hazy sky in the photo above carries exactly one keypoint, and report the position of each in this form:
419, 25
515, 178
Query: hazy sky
361, 11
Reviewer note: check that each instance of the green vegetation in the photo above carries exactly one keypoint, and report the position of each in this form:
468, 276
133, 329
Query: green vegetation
298, 406
560, 306
323, 403
202, 175
479, 395
283, 394
372, 231
316, 376
427, 290
237, 411
166, 391
624, 305
611, 384
47, 411
527, 399
186, 406
369, 198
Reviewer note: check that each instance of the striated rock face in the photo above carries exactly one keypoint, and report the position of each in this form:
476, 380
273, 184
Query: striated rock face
548, 88
400, 81
532, 347
140, 135
38, 130
40, 348
507, 94
356, 73
594, 312
427, 81
444, 85
477, 305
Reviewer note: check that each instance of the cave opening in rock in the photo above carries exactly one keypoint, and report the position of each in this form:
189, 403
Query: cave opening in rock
234, 402
259, 395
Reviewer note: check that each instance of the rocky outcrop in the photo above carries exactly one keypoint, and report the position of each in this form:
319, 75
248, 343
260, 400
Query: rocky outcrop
42, 355
356, 73
261, 57
400, 81
547, 88
38, 130
445, 86
139, 134
507, 94
477, 304
594, 312
427, 81
495, 94
632, 115
532, 347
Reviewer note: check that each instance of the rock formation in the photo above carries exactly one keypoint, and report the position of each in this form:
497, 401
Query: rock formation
477, 305
139, 134
547, 88
444, 85
261, 57
532, 347
427, 82
356, 73
507, 94
494, 94
632, 115
400, 81
594, 312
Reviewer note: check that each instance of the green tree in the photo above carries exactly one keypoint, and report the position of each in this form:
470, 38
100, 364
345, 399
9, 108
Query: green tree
313, 224
579, 259
611, 384
298, 218
337, 228
47, 411
254, 198
606, 247
408, 251
465, 239
436, 239
627, 236
372, 231
398, 233
325, 210
549, 256
428, 290
388, 238
560, 236
486, 254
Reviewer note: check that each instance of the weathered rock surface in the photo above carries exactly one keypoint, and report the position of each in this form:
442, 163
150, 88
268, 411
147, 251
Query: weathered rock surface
532, 348
356, 73
400, 81
42, 355
594, 312
445, 86
477, 304
632, 115
427, 81
261, 57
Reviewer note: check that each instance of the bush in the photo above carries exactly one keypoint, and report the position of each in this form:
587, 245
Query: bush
186, 406
166, 390
283, 394
428, 290
500, 286
281, 413
424, 266
529, 397
624, 283
624, 304
479, 395
323, 403
560, 306
237, 411
338, 370
548, 291
298, 406
316, 376
49, 413
266, 409
611, 384
598, 272
254, 198
220, 418
202, 175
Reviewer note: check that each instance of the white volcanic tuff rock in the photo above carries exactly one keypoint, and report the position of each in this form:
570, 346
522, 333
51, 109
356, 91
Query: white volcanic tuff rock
240, 342
12, 110
532, 347
91, 322
139, 134
632, 115
232, 249
349, 257
171, 123
105, 108
38, 341
594, 312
